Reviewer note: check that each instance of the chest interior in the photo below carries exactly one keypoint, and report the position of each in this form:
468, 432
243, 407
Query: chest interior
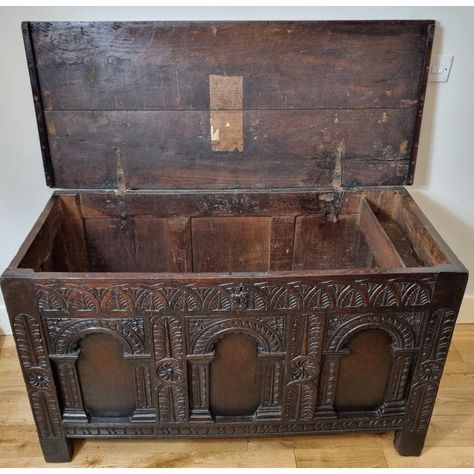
246, 232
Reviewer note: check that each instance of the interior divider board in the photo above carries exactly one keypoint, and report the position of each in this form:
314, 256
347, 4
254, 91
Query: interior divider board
45, 239
231, 244
385, 253
423, 243
139, 244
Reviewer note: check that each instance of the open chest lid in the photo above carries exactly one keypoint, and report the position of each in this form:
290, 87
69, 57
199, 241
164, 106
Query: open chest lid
228, 105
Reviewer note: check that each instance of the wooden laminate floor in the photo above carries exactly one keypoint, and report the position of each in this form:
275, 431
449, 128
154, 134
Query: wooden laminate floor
450, 441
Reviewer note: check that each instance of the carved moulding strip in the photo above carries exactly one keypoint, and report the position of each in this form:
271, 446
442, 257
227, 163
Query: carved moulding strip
427, 377
169, 369
272, 373
304, 367
236, 429
38, 376
70, 299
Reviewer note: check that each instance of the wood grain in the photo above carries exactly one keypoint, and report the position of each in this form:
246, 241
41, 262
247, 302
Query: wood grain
290, 100
450, 441
172, 149
287, 64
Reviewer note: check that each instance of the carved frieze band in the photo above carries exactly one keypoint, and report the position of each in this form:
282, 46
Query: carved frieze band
69, 299
239, 429
304, 367
434, 351
40, 383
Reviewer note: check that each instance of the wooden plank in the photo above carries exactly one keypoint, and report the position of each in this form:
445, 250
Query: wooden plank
281, 149
347, 458
231, 244
74, 234
133, 65
376, 68
194, 204
423, 242
139, 244
38, 101
281, 245
44, 242
321, 243
385, 254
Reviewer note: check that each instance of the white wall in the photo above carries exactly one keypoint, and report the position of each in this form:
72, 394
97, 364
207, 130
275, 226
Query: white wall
444, 180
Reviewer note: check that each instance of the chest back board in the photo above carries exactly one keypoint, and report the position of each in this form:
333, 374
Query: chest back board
228, 105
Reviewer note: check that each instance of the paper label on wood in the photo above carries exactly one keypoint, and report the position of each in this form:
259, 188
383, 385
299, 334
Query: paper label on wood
226, 118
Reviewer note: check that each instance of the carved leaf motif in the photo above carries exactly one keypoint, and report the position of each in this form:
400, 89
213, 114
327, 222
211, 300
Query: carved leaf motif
48, 299
118, 302
283, 298
184, 301
308, 399
382, 295
247, 296
434, 352
47, 415
348, 297
83, 301
167, 338
219, 301
29, 341
413, 294
171, 404
319, 298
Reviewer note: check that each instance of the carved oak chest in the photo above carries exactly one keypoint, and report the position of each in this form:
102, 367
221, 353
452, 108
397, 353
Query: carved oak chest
231, 251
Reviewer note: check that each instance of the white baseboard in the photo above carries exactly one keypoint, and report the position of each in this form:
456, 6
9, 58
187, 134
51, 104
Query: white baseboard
466, 315
5, 329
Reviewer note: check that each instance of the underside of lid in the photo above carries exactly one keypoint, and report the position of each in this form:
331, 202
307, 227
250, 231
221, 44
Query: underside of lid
228, 105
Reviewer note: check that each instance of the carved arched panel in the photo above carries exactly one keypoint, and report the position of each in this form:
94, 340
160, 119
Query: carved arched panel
363, 375
107, 379
234, 376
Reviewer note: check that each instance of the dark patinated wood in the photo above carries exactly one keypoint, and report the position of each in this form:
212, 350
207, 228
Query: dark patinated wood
309, 95
243, 261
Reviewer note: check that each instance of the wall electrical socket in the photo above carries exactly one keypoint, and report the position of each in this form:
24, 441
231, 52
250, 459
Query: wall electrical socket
440, 67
